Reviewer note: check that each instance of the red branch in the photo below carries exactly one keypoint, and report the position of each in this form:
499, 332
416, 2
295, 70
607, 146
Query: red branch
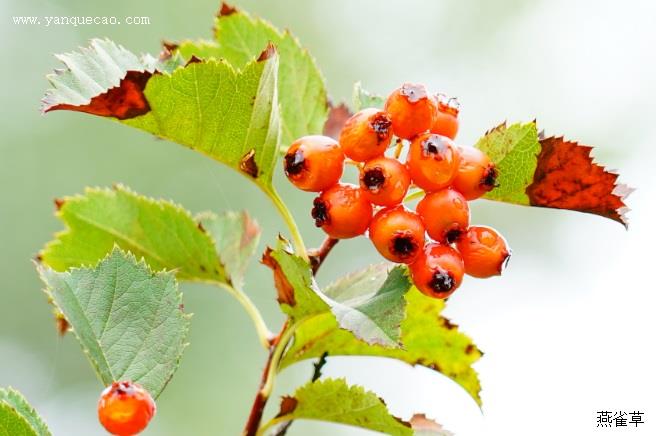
319, 255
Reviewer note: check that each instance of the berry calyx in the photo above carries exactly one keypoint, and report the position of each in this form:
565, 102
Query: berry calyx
342, 211
438, 270
476, 174
314, 163
366, 135
446, 120
433, 161
125, 408
412, 110
397, 234
484, 252
384, 181
445, 214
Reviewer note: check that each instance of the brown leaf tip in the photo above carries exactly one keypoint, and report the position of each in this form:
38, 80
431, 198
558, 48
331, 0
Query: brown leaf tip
226, 10
287, 406
337, 116
267, 53
421, 423
284, 288
170, 46
248, 165
59, 203
61, 324
193, 60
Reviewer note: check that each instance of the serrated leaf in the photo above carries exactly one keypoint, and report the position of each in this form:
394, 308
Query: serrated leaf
236, 236
128, 319
333, 400
551, 172
15, 400
228, 115
363, 99
373, 312
428, 339
12, 423
239, 38
160, 231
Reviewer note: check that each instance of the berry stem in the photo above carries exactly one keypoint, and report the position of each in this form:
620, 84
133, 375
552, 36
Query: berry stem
264, 334
319, 255
287, 216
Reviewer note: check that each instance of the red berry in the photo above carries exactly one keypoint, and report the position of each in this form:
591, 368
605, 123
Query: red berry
446, 121
314, 163
366, 135
412, 109
476, 173
484, 252
445, 214
438, 270
384, 181
397, 234
433, 161
125, 408
342, 211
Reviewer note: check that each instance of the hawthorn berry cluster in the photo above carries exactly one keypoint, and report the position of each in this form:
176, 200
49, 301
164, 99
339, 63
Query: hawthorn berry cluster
436, 240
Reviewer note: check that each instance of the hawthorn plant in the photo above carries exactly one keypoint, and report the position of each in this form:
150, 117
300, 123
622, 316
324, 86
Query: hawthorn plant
251, 98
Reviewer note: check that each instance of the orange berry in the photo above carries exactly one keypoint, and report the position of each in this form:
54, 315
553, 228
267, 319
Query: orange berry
433, 161
314, 163
446, 121
484, 252
125, 408
384, 181
366, 135
445, 214
397, 234
476, 173
342, 211
438, 270
412, 109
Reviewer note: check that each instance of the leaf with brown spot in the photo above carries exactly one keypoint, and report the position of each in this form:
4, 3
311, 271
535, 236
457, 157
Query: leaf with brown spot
285, 289
337, 116
248, 164
333, 400
551, 172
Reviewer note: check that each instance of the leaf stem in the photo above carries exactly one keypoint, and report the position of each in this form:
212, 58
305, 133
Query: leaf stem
414, 196
287, 216
264, 334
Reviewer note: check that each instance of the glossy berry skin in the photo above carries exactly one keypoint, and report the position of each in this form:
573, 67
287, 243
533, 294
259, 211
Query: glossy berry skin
342, 211
433, 161
412, 109
476, 174
366, 135
125, 408
484, 252
384, 181
314, 163
438, 270
397, 234
446, 121
445, 214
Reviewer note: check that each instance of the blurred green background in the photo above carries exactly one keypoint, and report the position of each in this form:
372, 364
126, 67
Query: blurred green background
567, 331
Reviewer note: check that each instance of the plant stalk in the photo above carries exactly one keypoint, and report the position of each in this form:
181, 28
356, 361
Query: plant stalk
287, 216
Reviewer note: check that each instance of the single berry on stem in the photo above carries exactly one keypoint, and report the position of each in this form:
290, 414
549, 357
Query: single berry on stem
445, 214
366, 135
384, 181
314, 163
397, 234
125, 408
433, 161
484, 252
476, 175
412, 110
438, 270
342, 211
446, 121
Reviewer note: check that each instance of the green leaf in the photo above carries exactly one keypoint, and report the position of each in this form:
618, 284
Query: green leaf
12, 423
228, 115
514, 150
428, 340
333, 400
127, 318
363, 99
159, 231
239, 38
12, 399
236, 236
369, 305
